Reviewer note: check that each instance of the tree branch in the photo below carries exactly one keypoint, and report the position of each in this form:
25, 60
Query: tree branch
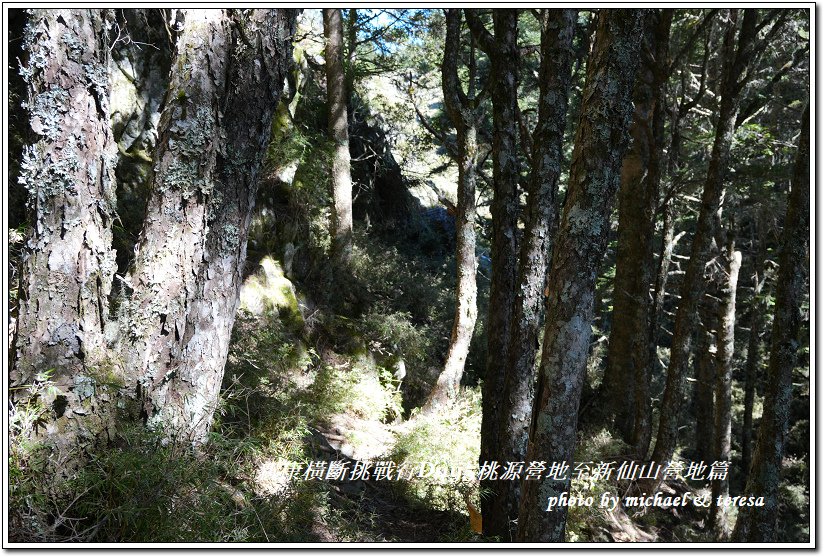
486, 41
763, 97
708, 17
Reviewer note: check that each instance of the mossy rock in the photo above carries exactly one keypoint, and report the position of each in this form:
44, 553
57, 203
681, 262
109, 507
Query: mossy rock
268, 291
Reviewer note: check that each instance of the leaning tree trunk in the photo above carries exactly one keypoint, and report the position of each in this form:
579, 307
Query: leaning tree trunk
581, 241
625, 389
757, 524
337, 100
723, 387
188, 268
510, 425
462, 115
735, 63
68, 263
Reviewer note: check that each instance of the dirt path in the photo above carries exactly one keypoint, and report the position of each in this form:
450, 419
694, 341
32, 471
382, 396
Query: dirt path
378, 509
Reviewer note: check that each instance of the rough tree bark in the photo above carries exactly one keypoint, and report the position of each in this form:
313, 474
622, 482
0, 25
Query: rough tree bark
459, 107
594, 177
502, 49
68, 263
191, 253
337, 101
504, 433
736, 59
625, 390
723, 385
757, 524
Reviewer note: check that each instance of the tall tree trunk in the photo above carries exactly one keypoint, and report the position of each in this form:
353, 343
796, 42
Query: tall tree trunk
735, 62
351, 52
704, 362
626, 379
757, 524
751, 365
723, 386
461, 113
336, 99
668, 242
192, 250
594, 177
502, 49
508, 429
68, 264
642, 420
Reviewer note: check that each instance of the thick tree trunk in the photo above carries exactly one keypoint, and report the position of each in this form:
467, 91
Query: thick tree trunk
337, 99
626, 378
757, 524
594, 177
735, 62
508, 429
68, 263
723, 388
466, 312
189, 264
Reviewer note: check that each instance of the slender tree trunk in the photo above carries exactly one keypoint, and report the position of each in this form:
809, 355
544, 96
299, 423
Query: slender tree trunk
461, 113
188, 268
723, 387
735, 62
704, 362
594, 177
626, 378
502, 49
351, 51
68, 264
510, 425
757, 524
751, 365
668, 242
336, 98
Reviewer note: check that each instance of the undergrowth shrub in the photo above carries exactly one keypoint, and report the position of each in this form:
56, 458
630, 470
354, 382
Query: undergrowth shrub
450, 439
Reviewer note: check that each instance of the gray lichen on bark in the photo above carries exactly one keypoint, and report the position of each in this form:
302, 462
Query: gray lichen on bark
594, 176
68, 263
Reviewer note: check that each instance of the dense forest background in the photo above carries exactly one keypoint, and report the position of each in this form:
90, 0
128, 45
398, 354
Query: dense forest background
408, 275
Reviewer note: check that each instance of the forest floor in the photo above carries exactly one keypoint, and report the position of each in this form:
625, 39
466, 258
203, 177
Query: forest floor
305, 394
344, 417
